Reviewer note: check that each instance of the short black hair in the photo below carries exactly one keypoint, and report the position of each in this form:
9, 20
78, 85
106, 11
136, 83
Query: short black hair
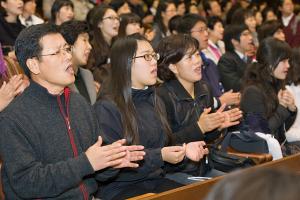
125, 19
211, 21
240, 15
174, 23
188, 21
207, 6
233, 32
171, 50
28, 45
57, 5
116, 4
70, 30
268, 29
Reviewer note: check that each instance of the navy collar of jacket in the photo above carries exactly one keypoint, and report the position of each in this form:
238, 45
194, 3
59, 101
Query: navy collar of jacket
182, 94
139, 94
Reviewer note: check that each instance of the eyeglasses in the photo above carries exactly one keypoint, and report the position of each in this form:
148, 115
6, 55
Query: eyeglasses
149, 56
62, 51
201, 30
112, 18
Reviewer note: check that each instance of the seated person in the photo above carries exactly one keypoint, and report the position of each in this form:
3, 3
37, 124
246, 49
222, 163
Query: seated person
263, 91
28, 17
232, 64
188, 99
271, 29
48, 140
129, 107
76, 35
216, 47
62, 11
195, 26
11, 85
10, 25
130, 23
293, 134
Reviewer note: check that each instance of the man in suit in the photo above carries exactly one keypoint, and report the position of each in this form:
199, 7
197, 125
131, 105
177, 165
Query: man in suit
76, 34
238, 41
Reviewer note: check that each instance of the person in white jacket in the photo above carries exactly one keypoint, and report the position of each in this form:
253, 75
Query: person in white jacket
293, 134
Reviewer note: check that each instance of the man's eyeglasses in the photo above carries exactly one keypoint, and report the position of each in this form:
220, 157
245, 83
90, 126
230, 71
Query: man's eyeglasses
201, 30
62, 51
112, 18
149, 56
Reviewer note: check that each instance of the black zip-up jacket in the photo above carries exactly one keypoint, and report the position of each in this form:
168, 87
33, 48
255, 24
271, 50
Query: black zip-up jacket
41, 158
183, 111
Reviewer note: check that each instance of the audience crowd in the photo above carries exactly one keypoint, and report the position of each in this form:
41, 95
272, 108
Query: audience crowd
116, 98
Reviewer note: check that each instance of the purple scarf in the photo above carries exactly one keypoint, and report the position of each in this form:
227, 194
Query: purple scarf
2, 63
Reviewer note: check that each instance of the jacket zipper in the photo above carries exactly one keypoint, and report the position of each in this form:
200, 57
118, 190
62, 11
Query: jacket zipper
66, 117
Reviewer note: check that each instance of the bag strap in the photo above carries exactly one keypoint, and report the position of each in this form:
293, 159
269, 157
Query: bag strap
223, 141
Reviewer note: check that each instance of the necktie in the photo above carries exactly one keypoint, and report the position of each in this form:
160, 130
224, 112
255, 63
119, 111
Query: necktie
215, 51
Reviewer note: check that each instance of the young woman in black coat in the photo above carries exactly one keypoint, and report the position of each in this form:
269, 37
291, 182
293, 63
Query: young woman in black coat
263, 91
188, 99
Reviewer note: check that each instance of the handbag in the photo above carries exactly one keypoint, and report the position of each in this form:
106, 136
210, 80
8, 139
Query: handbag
222, 161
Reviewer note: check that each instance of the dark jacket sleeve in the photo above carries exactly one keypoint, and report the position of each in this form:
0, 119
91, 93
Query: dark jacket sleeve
228, 73
28, 175
282, 115
253, 102
187, 133
110, 123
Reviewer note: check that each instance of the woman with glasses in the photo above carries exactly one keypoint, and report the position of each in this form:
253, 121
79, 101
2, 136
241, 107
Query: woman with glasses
129, 108
104, 25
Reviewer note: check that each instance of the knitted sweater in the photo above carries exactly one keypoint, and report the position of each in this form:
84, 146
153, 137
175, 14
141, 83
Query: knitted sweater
41, 158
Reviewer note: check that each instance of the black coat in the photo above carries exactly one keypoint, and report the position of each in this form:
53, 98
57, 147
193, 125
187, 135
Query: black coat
183, 111
9, 33
254, 101
151, 136
232, 69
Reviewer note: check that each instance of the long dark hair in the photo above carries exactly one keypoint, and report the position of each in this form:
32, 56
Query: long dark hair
294, 71
162, 7
269, 54
101, 49
118, 88
171, 50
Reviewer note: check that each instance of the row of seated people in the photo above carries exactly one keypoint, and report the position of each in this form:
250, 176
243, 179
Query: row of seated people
166, 129
209, 34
